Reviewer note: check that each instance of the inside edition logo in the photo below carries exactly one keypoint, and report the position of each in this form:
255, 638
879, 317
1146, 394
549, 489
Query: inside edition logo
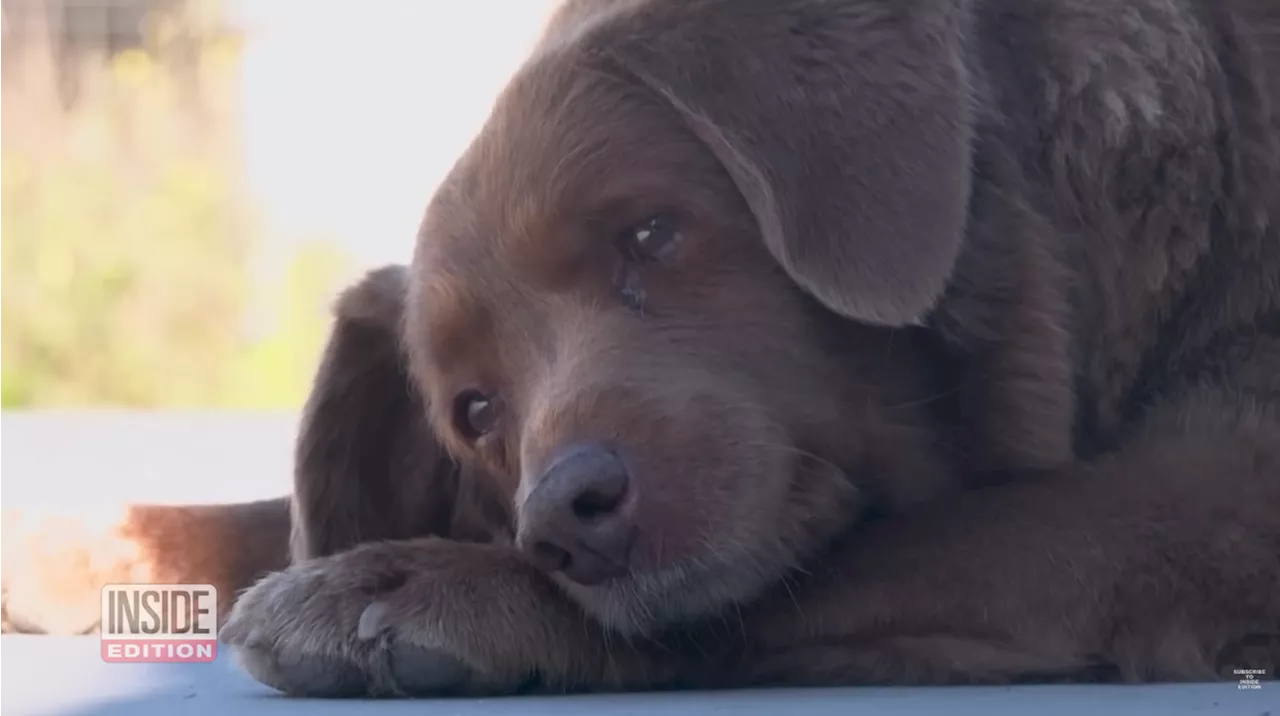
152, 623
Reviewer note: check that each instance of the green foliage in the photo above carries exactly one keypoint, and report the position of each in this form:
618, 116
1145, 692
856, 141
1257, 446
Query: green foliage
276, 369
128, 250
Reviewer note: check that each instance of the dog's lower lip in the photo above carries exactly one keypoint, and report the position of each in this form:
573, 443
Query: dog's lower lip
604, 577
609, 570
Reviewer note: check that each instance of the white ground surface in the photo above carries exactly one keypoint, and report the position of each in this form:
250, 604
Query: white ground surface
105, 458
46, 676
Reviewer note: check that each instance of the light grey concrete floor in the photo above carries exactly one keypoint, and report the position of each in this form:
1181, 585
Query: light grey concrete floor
91, 458
55, 676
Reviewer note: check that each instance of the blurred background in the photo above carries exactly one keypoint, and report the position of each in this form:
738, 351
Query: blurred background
186, 183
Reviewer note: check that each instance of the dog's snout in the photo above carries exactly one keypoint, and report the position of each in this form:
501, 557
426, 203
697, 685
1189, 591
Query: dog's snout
579, 518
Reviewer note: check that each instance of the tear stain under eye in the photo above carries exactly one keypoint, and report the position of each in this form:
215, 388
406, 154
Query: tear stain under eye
627, 279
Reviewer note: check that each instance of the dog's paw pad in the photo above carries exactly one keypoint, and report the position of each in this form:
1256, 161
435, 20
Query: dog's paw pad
303, 675
419, 671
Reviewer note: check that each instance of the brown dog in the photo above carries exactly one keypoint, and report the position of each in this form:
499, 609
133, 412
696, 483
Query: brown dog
720, 281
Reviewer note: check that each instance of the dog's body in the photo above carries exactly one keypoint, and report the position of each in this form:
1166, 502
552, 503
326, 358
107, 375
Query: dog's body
815, 343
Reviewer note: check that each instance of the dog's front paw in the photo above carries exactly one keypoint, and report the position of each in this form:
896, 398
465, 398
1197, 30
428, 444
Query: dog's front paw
371, 621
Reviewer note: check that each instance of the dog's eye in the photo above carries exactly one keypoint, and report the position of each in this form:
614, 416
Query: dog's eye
474, 414
646, 241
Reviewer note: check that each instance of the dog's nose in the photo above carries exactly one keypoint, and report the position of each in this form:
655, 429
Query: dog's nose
579, 518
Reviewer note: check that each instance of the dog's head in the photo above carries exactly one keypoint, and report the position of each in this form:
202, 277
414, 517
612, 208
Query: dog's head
629, 302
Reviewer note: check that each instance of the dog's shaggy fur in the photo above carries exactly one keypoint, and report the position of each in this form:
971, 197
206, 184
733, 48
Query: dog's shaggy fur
956, 359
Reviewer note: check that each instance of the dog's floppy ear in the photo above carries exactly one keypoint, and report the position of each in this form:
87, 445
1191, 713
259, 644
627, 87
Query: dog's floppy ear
845, 125
367, 464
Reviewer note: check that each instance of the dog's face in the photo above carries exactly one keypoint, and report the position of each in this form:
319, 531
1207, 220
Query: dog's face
597, 319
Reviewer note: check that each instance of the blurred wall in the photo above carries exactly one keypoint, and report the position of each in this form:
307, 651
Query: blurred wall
354, 111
